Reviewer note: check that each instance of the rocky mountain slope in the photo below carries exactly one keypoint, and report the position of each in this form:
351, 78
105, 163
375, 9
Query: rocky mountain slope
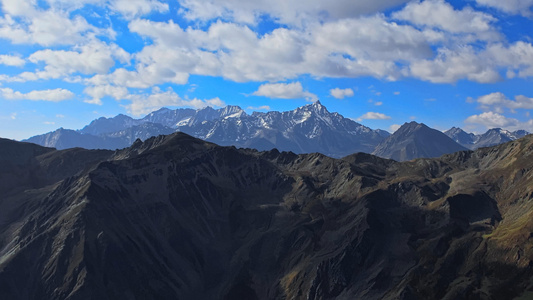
311, 128
176, 217
415, 140
492, 137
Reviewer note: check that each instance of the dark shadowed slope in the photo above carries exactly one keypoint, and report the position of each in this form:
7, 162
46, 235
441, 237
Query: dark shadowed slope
414, 140
175, 217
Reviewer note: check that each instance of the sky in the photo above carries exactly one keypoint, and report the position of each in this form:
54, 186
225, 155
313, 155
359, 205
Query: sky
381, 63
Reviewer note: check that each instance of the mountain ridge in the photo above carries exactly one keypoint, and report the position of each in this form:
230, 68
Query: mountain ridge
179, 217
310, 128
416, 140
307, 129
491, 137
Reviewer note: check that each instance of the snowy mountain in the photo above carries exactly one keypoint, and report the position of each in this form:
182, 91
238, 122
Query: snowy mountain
310, 128
492, 137
307, 129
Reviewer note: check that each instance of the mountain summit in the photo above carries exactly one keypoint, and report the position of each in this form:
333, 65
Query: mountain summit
415, 140
310, 128
492, 137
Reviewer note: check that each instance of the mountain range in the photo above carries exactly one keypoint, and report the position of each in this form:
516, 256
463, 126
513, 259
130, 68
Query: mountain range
308, 129
175, 217
492, 137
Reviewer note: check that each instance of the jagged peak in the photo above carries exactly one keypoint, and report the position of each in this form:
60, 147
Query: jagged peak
207, 108
316, 107
412, 125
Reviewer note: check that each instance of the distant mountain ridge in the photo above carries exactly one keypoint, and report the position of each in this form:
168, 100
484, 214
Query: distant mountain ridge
492, 137
307, 129
310, 128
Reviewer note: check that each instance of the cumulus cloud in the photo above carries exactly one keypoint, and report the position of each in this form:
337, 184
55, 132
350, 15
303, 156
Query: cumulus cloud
373, 116
10, 60
341, 93
343, 48
450, 66
492, 120
98, 92
522, 7
55, 95
394, 127
293, 12
517, 57
292, 90
134, 8
45, 27
334, 39
498, 101
94, 57
440, 14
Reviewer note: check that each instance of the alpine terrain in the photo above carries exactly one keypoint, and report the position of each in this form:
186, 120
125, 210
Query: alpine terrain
307, 129
415, 140
492, 137
175, 217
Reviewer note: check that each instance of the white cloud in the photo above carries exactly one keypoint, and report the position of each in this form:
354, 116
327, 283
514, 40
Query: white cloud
522, 7
19, 7
47, 28
134, 8
145, 103
345, 48
394, 127
371, 38
284, 91
341, 93
498, 101
518, 57
350, 47
379, 103
55, 95
373, 116
333, 39
10, 60
293, 12
144, 77
94, 57
101, 91
442, 15
450, 66
492, 120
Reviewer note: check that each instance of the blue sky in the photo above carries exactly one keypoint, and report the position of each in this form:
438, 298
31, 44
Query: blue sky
469, 63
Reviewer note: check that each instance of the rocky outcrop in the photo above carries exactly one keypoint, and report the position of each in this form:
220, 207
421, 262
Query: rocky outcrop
175, 217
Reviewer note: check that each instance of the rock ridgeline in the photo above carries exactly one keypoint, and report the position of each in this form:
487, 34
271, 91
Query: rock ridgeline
175, 217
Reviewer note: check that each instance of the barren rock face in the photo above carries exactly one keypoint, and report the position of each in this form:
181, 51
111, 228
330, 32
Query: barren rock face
178, 218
